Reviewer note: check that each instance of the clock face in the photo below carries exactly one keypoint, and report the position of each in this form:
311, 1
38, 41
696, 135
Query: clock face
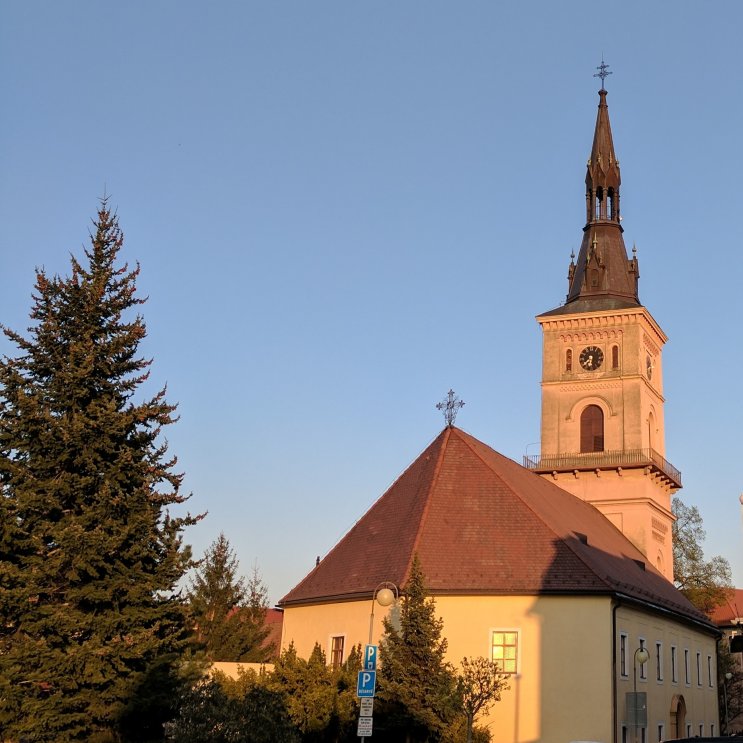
591, 358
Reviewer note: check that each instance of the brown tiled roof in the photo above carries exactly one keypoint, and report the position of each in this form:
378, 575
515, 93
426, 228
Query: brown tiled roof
482, 524
732, 609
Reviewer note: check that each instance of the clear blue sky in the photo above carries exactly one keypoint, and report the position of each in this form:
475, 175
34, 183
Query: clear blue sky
343, 209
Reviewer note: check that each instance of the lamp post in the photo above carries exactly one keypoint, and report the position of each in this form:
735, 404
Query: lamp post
385, 594
641, 656
725, 680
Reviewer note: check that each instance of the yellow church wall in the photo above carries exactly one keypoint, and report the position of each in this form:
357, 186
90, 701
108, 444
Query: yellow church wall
563, 662
699, 692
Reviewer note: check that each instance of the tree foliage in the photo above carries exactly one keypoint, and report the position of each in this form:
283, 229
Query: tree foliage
229, 615
705, 583
89, 553
417, 686
480, 685
321, 701
208, 714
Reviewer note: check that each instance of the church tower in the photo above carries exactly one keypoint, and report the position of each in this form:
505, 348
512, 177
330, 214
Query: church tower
602, 375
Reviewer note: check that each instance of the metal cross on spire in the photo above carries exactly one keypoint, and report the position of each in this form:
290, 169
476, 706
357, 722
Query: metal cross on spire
602, 72
450, 406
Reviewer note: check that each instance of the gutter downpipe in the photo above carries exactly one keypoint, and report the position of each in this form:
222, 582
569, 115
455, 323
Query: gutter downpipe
617, 604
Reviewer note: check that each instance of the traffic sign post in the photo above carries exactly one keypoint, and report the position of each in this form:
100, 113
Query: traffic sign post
366, 706
364, 728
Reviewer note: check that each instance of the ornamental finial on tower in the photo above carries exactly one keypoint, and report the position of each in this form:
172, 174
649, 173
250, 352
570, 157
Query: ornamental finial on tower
450, 406
602, 72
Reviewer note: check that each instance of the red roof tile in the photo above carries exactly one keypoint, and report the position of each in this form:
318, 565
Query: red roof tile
732, 609
482, 524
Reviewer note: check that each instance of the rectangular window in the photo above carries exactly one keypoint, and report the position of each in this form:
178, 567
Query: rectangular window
643, 737
623, 655
688, 730
643, 666
699, 669
687, 670
659, 661
674, 671
660, 733
701, 729
709, 670
624, 734
336, 651
505, 650
712, 730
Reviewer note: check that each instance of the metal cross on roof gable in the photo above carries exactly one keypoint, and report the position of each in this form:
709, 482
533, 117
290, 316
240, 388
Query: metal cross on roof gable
450, 406
602, 72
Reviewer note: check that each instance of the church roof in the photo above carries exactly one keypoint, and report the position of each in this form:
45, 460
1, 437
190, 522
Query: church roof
482, 524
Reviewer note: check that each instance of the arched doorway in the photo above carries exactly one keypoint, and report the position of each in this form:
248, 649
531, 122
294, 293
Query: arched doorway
592, 429
678, 716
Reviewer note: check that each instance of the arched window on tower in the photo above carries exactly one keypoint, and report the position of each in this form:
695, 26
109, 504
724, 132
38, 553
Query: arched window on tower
615, 357
592, 429
568, 360
610, 204
599, 199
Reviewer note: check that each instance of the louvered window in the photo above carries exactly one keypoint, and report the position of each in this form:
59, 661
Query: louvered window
592, 429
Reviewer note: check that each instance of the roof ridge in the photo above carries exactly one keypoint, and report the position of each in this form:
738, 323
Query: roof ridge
538, 515
426, 507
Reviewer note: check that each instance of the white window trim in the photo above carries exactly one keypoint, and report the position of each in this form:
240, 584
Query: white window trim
642, 668
518, 647
674, 665
329, 654
687, 667
625, 636
659, 662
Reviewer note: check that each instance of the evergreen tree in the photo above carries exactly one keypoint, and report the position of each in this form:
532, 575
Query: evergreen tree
230, 616
89, 553
417, 687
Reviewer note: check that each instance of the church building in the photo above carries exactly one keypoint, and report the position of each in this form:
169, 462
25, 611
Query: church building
561, 569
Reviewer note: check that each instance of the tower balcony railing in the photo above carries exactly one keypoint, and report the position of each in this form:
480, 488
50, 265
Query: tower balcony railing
581, 461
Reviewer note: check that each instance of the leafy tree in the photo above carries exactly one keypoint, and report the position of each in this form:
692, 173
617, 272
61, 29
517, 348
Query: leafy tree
480, 685
89, 553
705, 583
208, 714
417, 687
230, 616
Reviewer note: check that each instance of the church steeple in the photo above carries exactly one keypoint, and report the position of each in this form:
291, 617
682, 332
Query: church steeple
603, 277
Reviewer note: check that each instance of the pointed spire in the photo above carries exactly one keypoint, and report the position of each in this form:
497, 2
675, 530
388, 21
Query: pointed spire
603, 277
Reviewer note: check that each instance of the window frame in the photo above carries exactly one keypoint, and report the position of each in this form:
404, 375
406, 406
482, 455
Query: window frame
509, 631
674, 664
659, 661
333, 650
623, 638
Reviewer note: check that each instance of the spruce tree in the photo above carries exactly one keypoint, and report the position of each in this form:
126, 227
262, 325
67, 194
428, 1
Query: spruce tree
90, 554
229, 615
417, 686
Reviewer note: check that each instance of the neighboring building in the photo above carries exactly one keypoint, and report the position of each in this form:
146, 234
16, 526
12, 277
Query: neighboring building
729, 618
562, 590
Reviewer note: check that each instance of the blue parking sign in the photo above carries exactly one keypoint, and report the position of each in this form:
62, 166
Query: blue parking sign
370, 657
366, 684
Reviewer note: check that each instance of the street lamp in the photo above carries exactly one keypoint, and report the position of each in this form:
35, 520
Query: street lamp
385, 594
725, 681
641, 656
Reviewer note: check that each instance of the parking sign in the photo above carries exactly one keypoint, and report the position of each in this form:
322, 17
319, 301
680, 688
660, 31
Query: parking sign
367, 682
370, 657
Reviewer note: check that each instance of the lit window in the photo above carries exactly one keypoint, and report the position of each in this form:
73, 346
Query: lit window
336, 651
505, 650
